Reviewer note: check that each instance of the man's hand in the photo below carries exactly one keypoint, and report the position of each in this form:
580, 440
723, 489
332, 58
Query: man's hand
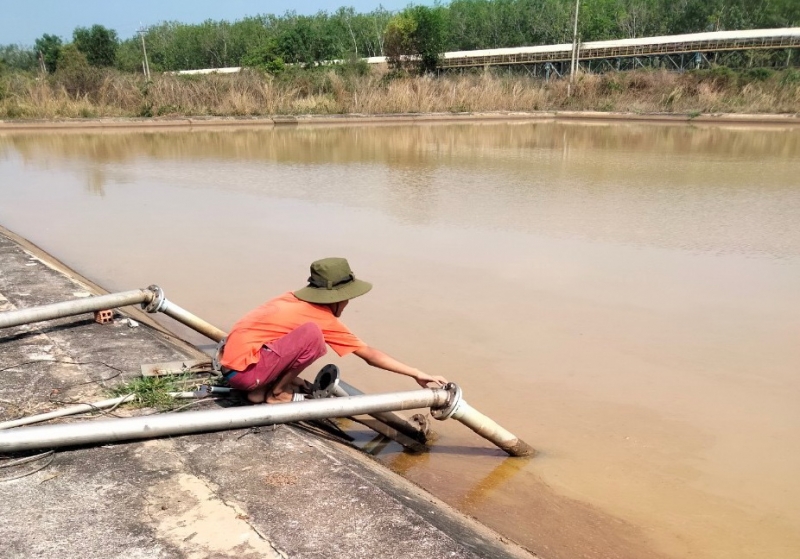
424, 379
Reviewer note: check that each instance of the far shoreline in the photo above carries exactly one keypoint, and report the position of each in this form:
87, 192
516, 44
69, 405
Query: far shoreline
189, 122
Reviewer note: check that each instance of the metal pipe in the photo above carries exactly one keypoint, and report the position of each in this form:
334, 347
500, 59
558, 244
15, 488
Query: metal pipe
152, 300
159, 303
146, 427
457, 408
491, 431
103, 404
75, 307
63, 412
391, 433
194, 322
390, 419
329, 383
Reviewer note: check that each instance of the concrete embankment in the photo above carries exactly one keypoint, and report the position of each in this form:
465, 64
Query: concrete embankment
171, 123
281, 492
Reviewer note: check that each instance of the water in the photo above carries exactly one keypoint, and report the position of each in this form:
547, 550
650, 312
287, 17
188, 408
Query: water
625, 298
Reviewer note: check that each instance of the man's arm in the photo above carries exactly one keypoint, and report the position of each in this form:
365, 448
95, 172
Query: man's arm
377, 358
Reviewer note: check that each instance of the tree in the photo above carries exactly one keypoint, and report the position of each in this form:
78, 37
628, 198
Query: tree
99, 44
129, 56
75, 73
399, 41
416, 38
264, 57
49, 47
310, 39
429, 36
15, 57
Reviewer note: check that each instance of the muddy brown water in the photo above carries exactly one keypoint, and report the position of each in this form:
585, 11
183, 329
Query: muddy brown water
624, 297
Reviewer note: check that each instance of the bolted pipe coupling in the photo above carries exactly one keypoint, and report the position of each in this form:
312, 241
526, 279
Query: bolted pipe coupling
159, 301
453, 403
327, 381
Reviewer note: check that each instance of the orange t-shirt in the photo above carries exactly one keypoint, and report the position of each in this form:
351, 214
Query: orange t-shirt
277, 318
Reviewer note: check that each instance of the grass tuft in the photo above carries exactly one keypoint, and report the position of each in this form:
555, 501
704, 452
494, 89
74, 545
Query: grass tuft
154, 392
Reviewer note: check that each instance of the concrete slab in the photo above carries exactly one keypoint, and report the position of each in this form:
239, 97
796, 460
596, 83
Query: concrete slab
281, 492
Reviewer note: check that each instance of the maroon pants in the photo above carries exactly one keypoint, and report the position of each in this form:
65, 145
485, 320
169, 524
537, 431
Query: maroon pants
292, 353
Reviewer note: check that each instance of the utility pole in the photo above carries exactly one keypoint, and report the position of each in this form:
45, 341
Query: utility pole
145, 65
574, 62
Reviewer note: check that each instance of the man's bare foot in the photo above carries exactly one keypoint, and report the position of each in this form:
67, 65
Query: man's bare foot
280, 397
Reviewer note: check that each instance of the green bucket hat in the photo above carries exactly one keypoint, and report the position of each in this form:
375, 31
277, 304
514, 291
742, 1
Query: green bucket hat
332, 281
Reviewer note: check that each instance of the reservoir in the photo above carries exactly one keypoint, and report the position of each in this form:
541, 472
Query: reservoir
625, 297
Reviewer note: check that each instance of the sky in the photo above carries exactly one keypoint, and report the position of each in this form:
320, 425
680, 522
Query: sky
22, 22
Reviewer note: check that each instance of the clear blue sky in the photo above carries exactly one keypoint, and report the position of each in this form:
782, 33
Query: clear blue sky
23, 21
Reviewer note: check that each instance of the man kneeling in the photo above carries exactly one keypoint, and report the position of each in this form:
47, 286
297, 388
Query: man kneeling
271, 345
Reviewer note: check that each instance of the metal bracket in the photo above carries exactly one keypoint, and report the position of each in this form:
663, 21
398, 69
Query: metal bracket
453, 403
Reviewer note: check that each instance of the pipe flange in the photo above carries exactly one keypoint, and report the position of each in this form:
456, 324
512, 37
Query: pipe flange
158, 302
452, 405
215, 364
326, 382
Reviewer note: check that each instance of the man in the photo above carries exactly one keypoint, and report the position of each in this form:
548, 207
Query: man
272, 344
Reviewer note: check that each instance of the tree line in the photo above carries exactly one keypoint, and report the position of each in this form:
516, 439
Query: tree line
271, 41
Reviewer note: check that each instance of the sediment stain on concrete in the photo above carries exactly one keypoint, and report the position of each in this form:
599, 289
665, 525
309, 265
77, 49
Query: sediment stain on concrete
188, 514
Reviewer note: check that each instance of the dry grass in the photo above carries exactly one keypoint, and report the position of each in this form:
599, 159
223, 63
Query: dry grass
112, 94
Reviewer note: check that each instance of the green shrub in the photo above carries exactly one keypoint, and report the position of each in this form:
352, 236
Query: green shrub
264, 57
758, 74
75, 74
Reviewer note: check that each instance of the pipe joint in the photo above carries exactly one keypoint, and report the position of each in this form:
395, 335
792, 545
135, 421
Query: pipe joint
453, 403
158, 303
216, 366
327, 382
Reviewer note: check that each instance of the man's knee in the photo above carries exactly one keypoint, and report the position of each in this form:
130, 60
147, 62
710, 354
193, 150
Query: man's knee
312, 335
